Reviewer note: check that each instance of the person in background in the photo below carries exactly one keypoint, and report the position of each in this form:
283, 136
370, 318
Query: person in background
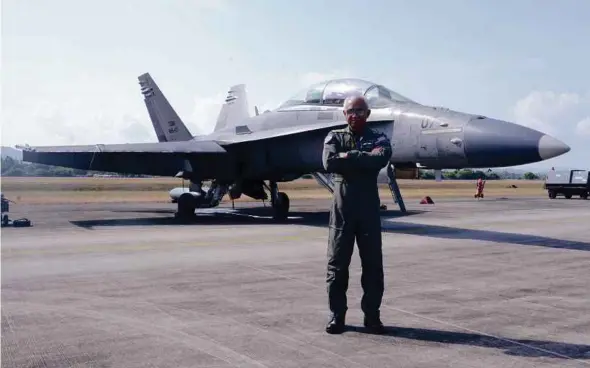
479, 187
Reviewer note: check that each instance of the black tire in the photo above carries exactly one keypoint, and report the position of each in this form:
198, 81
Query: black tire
568, 196
552, 194
186, 206
584, 195
281, 207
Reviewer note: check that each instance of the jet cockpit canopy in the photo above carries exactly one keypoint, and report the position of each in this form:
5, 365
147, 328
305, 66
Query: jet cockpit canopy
334, 92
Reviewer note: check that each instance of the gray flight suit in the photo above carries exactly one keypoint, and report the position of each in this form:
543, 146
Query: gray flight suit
355, 213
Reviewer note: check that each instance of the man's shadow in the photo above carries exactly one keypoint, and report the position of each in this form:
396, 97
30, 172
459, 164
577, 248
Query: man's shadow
516, 347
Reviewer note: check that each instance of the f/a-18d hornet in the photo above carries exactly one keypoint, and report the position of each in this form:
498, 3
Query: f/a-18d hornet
250, 155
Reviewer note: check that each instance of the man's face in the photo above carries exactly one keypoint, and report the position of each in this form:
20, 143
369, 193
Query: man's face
356, 113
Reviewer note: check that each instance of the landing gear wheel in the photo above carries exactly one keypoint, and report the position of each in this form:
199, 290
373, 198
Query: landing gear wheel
279, 201
281, 206
186, 207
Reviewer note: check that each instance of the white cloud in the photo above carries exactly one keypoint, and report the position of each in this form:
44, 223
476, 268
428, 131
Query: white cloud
114, 113
551, 112
73, 122
204, 114
583, 127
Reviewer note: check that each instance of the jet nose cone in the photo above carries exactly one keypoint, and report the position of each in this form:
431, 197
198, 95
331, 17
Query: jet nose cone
497, 143
550, 147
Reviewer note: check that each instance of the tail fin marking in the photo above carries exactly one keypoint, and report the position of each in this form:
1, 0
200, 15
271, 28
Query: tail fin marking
167, 124
235, 108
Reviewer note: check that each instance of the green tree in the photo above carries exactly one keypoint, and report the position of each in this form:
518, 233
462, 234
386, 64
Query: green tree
7, 164
425, 174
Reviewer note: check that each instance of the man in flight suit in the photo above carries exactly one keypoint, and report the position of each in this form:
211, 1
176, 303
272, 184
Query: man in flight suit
355, 155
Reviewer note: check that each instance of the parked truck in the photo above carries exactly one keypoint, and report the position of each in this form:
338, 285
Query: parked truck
568, 183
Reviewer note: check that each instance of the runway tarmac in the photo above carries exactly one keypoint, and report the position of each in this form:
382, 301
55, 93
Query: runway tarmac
491, 283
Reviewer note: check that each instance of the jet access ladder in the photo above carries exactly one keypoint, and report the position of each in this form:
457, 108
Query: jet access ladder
394, 188
326, 181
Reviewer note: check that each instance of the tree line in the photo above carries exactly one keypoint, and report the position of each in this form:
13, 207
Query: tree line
468, 174
12, 167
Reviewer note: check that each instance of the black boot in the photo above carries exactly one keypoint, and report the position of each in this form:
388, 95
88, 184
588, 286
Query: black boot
336, 325
373, 323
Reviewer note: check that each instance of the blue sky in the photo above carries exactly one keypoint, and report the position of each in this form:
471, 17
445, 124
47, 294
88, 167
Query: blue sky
69, 68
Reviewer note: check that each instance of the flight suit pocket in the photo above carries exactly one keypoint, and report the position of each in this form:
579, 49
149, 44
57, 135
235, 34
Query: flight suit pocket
337, 211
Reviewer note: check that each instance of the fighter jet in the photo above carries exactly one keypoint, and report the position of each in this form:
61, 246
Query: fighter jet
250, 155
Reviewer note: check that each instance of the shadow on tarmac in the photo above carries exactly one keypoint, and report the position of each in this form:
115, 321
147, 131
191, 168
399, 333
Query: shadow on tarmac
523, 347
253, 216
262, 216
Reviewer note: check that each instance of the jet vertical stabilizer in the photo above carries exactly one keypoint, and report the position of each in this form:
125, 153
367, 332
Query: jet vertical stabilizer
167, 124
235, 108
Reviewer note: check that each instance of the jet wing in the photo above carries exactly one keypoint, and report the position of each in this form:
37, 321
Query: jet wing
243, 134
160, 158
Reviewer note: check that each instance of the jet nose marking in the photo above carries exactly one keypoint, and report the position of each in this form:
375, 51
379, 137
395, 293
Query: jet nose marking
550, 147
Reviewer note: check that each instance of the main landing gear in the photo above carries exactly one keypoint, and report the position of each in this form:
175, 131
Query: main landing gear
279, 201
198, 198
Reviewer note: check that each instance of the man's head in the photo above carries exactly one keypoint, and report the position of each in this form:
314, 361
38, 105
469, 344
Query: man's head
356, 111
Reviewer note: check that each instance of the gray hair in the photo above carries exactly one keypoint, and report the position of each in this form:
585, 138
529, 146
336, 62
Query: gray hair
350, 99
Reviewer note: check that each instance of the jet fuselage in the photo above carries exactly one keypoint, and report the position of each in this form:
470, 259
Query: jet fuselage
430, 137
